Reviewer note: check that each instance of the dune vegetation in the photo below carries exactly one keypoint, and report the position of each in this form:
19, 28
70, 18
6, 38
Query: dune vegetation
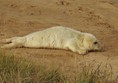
16, 70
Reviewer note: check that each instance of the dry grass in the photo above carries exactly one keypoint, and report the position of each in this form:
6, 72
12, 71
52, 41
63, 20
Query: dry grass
13, 70
98, 74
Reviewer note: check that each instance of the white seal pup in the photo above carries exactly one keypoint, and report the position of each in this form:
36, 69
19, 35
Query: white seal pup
56, 37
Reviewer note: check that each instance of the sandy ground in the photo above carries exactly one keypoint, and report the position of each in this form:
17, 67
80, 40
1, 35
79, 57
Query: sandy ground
99, 17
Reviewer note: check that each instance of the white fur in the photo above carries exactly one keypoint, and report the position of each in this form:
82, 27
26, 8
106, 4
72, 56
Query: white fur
56, 37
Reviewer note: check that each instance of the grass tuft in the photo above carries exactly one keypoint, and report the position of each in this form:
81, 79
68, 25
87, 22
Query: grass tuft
15, 70
98, 74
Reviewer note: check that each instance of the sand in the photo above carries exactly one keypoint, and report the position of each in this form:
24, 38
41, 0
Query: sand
99, 17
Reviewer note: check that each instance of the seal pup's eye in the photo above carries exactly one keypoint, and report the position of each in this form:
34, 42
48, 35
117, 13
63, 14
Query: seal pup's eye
95, 42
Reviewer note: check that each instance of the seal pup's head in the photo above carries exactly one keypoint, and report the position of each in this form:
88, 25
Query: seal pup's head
91, 43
